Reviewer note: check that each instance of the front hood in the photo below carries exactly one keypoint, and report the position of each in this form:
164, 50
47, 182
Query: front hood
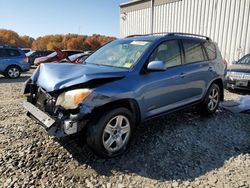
239, 68
54, 76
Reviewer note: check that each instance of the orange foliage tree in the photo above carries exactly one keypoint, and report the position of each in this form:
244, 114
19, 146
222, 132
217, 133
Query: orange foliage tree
48, 42
8, 37
71, 42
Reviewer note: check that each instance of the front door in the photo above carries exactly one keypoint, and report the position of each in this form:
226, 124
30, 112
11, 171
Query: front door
161, 90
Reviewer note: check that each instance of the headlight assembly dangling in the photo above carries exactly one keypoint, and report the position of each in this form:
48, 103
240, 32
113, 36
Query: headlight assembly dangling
71, 99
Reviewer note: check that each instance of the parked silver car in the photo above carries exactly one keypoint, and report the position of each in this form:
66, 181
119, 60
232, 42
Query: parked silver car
238, 74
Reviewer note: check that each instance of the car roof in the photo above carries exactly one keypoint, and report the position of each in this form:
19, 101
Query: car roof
159, 36
9, 47
12, 48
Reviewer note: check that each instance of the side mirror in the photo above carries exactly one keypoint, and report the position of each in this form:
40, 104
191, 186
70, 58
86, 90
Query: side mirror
156, 66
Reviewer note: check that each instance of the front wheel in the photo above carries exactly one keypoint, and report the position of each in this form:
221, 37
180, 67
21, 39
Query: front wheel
110, 135
211, 101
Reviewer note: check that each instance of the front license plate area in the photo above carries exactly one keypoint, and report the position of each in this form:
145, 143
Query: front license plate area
243, 83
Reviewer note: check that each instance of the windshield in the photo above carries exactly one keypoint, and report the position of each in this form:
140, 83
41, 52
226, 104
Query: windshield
120, 53
245, 60
52, 54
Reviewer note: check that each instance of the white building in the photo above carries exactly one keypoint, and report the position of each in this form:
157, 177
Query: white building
225, 21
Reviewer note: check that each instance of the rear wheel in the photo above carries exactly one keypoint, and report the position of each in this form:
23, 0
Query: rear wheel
13, 72
110, 135
211, 101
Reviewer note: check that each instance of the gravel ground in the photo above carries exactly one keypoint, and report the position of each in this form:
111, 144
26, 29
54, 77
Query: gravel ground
178, 150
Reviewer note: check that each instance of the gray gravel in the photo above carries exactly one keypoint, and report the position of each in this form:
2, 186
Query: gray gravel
178, 150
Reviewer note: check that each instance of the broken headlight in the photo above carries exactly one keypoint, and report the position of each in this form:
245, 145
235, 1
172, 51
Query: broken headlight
72, 99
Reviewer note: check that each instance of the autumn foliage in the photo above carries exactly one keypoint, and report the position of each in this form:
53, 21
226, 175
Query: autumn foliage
48, 42
8, 37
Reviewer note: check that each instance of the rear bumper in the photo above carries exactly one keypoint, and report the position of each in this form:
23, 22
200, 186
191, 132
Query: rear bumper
58, 127
25, 70
25, 67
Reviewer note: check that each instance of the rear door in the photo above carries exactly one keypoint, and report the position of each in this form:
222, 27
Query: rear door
15, 57
198, 70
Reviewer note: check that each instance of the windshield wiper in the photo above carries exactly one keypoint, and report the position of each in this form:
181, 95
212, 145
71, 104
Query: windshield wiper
107, 65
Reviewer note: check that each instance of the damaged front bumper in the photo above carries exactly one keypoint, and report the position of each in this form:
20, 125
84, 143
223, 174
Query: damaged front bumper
46, 120
59, 126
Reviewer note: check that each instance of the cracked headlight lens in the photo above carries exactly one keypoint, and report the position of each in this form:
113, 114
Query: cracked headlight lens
72, 99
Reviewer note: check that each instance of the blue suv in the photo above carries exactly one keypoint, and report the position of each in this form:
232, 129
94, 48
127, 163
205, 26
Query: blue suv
126, 82
13, 61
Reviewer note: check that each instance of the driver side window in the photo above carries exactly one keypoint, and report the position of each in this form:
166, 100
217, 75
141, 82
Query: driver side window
168, 52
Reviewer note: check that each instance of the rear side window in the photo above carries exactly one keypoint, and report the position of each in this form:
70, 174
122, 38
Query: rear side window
41, 54
245, 60
211, 50
168, 52
47, 53
69, 53
13, 53
193, 51
3, 53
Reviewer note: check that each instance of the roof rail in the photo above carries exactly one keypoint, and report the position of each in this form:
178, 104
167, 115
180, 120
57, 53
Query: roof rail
136, 35
139, 35
189, 34
170, 34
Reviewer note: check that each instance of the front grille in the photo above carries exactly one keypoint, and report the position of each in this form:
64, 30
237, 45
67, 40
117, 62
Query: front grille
239, 76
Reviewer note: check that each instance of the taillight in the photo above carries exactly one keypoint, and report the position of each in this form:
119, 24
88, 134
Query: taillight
25, 59
224, 61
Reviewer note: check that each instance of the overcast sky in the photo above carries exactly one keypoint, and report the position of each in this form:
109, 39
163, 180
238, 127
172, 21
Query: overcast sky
42, 17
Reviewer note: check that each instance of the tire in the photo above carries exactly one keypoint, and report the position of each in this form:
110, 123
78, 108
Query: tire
13, 72
106, 137
211, 102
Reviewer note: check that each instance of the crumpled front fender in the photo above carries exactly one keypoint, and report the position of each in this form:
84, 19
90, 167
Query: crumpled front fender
94, 101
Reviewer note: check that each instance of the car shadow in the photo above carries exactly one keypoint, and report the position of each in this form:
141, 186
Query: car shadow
179, 146
4, 80
239, 91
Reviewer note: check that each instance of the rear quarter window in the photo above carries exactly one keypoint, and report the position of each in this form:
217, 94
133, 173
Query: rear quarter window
210, 50
193, 51
13, 53
3, 53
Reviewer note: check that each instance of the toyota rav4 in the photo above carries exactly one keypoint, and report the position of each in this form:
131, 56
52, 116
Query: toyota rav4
126, 82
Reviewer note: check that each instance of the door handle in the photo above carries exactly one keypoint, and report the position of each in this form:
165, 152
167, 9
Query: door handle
210, 69
182, 75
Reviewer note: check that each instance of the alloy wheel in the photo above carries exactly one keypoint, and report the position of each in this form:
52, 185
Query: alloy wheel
13, 72
213, 99
116, 133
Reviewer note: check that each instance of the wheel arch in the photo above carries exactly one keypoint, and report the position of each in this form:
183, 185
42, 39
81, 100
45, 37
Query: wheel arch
130, 104
13, 65
219, 82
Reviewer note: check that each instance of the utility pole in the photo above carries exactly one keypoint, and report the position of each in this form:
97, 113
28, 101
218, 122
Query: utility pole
152, 15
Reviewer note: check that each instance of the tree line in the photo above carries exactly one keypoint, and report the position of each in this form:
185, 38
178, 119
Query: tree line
48, 42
